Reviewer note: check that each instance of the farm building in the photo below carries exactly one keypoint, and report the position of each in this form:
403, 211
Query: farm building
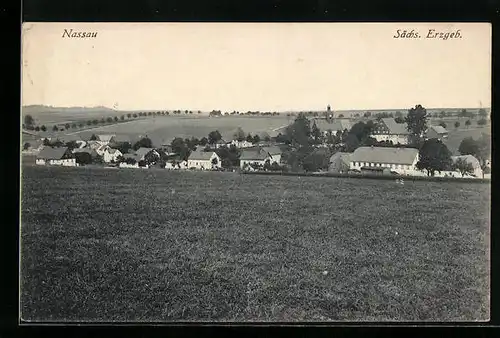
436, 132
119, 139
240, 144
204, 160
95, 144
56, 156
254, 156
131, 161
111, 155
87, 150
338, 124
340, 162
274, 152
142, 152
69, 138
400, 160
387, 129
474, 162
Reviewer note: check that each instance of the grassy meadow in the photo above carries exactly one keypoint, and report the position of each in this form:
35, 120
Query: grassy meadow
156, 245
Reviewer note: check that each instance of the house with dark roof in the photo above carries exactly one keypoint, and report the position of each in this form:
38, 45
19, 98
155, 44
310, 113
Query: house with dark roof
436, 132
254, 156
204, 160
142, 152
387, 129
56, 156
399, 160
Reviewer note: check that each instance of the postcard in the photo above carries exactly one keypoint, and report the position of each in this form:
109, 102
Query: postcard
255, 172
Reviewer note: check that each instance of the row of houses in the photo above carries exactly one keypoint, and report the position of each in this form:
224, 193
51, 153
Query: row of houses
386, 130
385, 160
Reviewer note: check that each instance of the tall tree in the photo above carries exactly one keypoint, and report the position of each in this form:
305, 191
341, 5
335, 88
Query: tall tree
316, 133
468, 123
434, 156
457, 124
214, 137
29, 120
416, 123
43, 128
144, 142
239, 135
299, 132
463, 167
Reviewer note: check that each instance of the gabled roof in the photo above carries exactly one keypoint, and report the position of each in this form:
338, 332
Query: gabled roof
467, 158
253, 154
112, 150
333, 125
387, 155
141, 152
69, 138
394, 127
200, 155
344, 157
439, 129
273, 150
49, 153
120, 139
105, 137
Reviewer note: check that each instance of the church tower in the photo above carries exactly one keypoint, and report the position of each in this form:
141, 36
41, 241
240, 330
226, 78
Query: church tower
329, 114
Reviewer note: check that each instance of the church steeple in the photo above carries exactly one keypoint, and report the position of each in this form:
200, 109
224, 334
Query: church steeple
329, 113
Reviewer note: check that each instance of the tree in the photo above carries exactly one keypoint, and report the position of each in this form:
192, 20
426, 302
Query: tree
54, 128
249, 138
434, 156
416, 122
341, 115
43, 128
457, 124
468, 123
481, 122
109, 119
299, 132
256, 138
316, 133
463, 167
214, 137
124, 147
37, 128
71, 145
81, 125
26, 146
98, 159
144, 142
367, 114
103, 121
29, 120
94, 122
67, 126
203, 141
399, 119
129, 115
239, 135
180, 147
483, 113
151, 158
215, 161
83, 158
135, 116
93, 137
73, 126
116, 118
315, 161
442, 124
351, 143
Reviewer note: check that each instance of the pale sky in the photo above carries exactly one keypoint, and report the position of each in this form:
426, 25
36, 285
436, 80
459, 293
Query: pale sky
255, 66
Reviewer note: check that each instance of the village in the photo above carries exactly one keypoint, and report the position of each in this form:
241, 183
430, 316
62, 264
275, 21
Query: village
320, 144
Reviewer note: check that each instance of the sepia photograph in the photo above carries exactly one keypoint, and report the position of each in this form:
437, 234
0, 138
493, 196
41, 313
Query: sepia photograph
255, 172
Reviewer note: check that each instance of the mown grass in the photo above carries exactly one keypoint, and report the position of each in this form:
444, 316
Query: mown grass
152, 245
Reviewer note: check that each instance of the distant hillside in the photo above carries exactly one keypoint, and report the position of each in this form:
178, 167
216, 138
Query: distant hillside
40, 109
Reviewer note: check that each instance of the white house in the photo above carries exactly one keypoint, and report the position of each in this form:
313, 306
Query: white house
111, 155
400, 160
204, 160
387, 129
240, 144
476, 165
255, 156
56, 156
274, 152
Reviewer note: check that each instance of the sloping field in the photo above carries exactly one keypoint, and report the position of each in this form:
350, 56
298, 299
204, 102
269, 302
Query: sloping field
164, 128
455, 137
146, 245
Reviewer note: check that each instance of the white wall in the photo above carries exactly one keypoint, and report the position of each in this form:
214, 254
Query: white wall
125, 165
111, 157
205, 164
401, 139
68, 162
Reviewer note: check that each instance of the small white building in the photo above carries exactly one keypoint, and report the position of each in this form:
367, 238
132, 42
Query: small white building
61, 156
204, 160
240, 144
111, 155
387, 129
274, 153
399, 160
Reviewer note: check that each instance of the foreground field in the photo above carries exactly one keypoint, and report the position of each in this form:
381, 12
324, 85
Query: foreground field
152, 245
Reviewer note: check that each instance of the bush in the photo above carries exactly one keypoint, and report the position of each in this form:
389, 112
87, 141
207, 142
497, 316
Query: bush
481, 122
